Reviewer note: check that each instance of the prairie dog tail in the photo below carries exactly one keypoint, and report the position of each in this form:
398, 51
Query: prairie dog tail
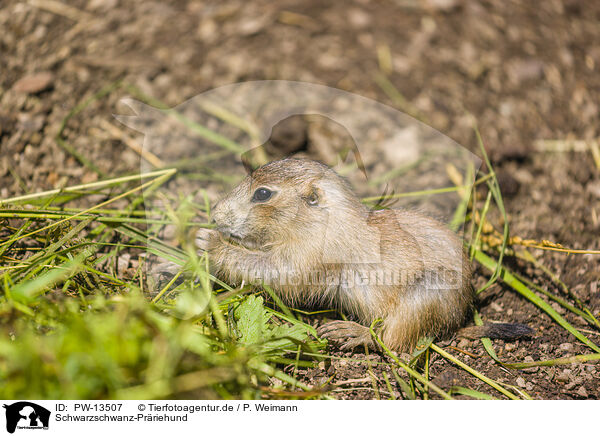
496, 331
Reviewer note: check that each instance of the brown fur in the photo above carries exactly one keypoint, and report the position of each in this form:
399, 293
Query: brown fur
339, 237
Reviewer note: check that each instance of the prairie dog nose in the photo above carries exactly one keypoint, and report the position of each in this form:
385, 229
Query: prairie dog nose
218, 214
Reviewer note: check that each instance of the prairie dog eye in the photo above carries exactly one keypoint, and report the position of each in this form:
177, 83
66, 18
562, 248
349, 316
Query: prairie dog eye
262, 194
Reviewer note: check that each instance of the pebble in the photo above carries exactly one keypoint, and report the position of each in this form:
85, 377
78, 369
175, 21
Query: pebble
447, 378
567, 346
442, 5
252, 26
405, 357
358, 18
34, 83
563, 377
521, 382
123, 262
464, 343
31, 123
533, 369
582, 392
525, 69
496, 306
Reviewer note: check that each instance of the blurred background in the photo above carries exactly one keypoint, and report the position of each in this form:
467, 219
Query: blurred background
526, 74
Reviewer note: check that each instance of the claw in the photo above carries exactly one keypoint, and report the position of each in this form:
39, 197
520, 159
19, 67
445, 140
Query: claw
202, 238
332, 327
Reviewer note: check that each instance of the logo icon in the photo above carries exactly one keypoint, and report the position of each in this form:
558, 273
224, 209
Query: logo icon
26, 415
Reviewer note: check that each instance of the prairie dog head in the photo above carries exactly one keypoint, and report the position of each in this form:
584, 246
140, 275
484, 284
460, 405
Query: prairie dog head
287, 201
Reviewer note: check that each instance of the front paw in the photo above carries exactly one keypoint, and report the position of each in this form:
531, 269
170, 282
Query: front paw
203, 238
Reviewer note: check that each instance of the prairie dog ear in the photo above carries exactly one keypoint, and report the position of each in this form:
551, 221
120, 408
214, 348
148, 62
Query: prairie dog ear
314, 196
333, 191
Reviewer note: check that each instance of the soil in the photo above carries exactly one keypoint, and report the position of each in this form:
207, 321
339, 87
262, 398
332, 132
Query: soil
524, 71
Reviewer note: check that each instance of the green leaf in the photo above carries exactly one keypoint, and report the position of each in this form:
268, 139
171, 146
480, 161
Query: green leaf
471, 393
250, 316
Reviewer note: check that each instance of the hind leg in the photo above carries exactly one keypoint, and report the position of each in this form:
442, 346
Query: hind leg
348, 335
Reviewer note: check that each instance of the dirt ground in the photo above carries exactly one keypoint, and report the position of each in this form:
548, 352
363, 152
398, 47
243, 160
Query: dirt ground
524, 71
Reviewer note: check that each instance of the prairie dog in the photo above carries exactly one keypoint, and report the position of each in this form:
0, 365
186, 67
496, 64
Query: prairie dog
297, 226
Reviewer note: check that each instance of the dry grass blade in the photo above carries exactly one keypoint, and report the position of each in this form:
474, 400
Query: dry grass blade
62, 9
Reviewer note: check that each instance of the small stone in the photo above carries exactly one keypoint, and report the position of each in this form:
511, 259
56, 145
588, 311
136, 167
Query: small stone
582, 392
442, 5
496, 306
123, 262
464, 343
207, 30
563, 377
102, 5
34, 83
446, 379
521, 382
252, 26
358, 18
525, 69
567, 346
31, 123
405, 357
529, 359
